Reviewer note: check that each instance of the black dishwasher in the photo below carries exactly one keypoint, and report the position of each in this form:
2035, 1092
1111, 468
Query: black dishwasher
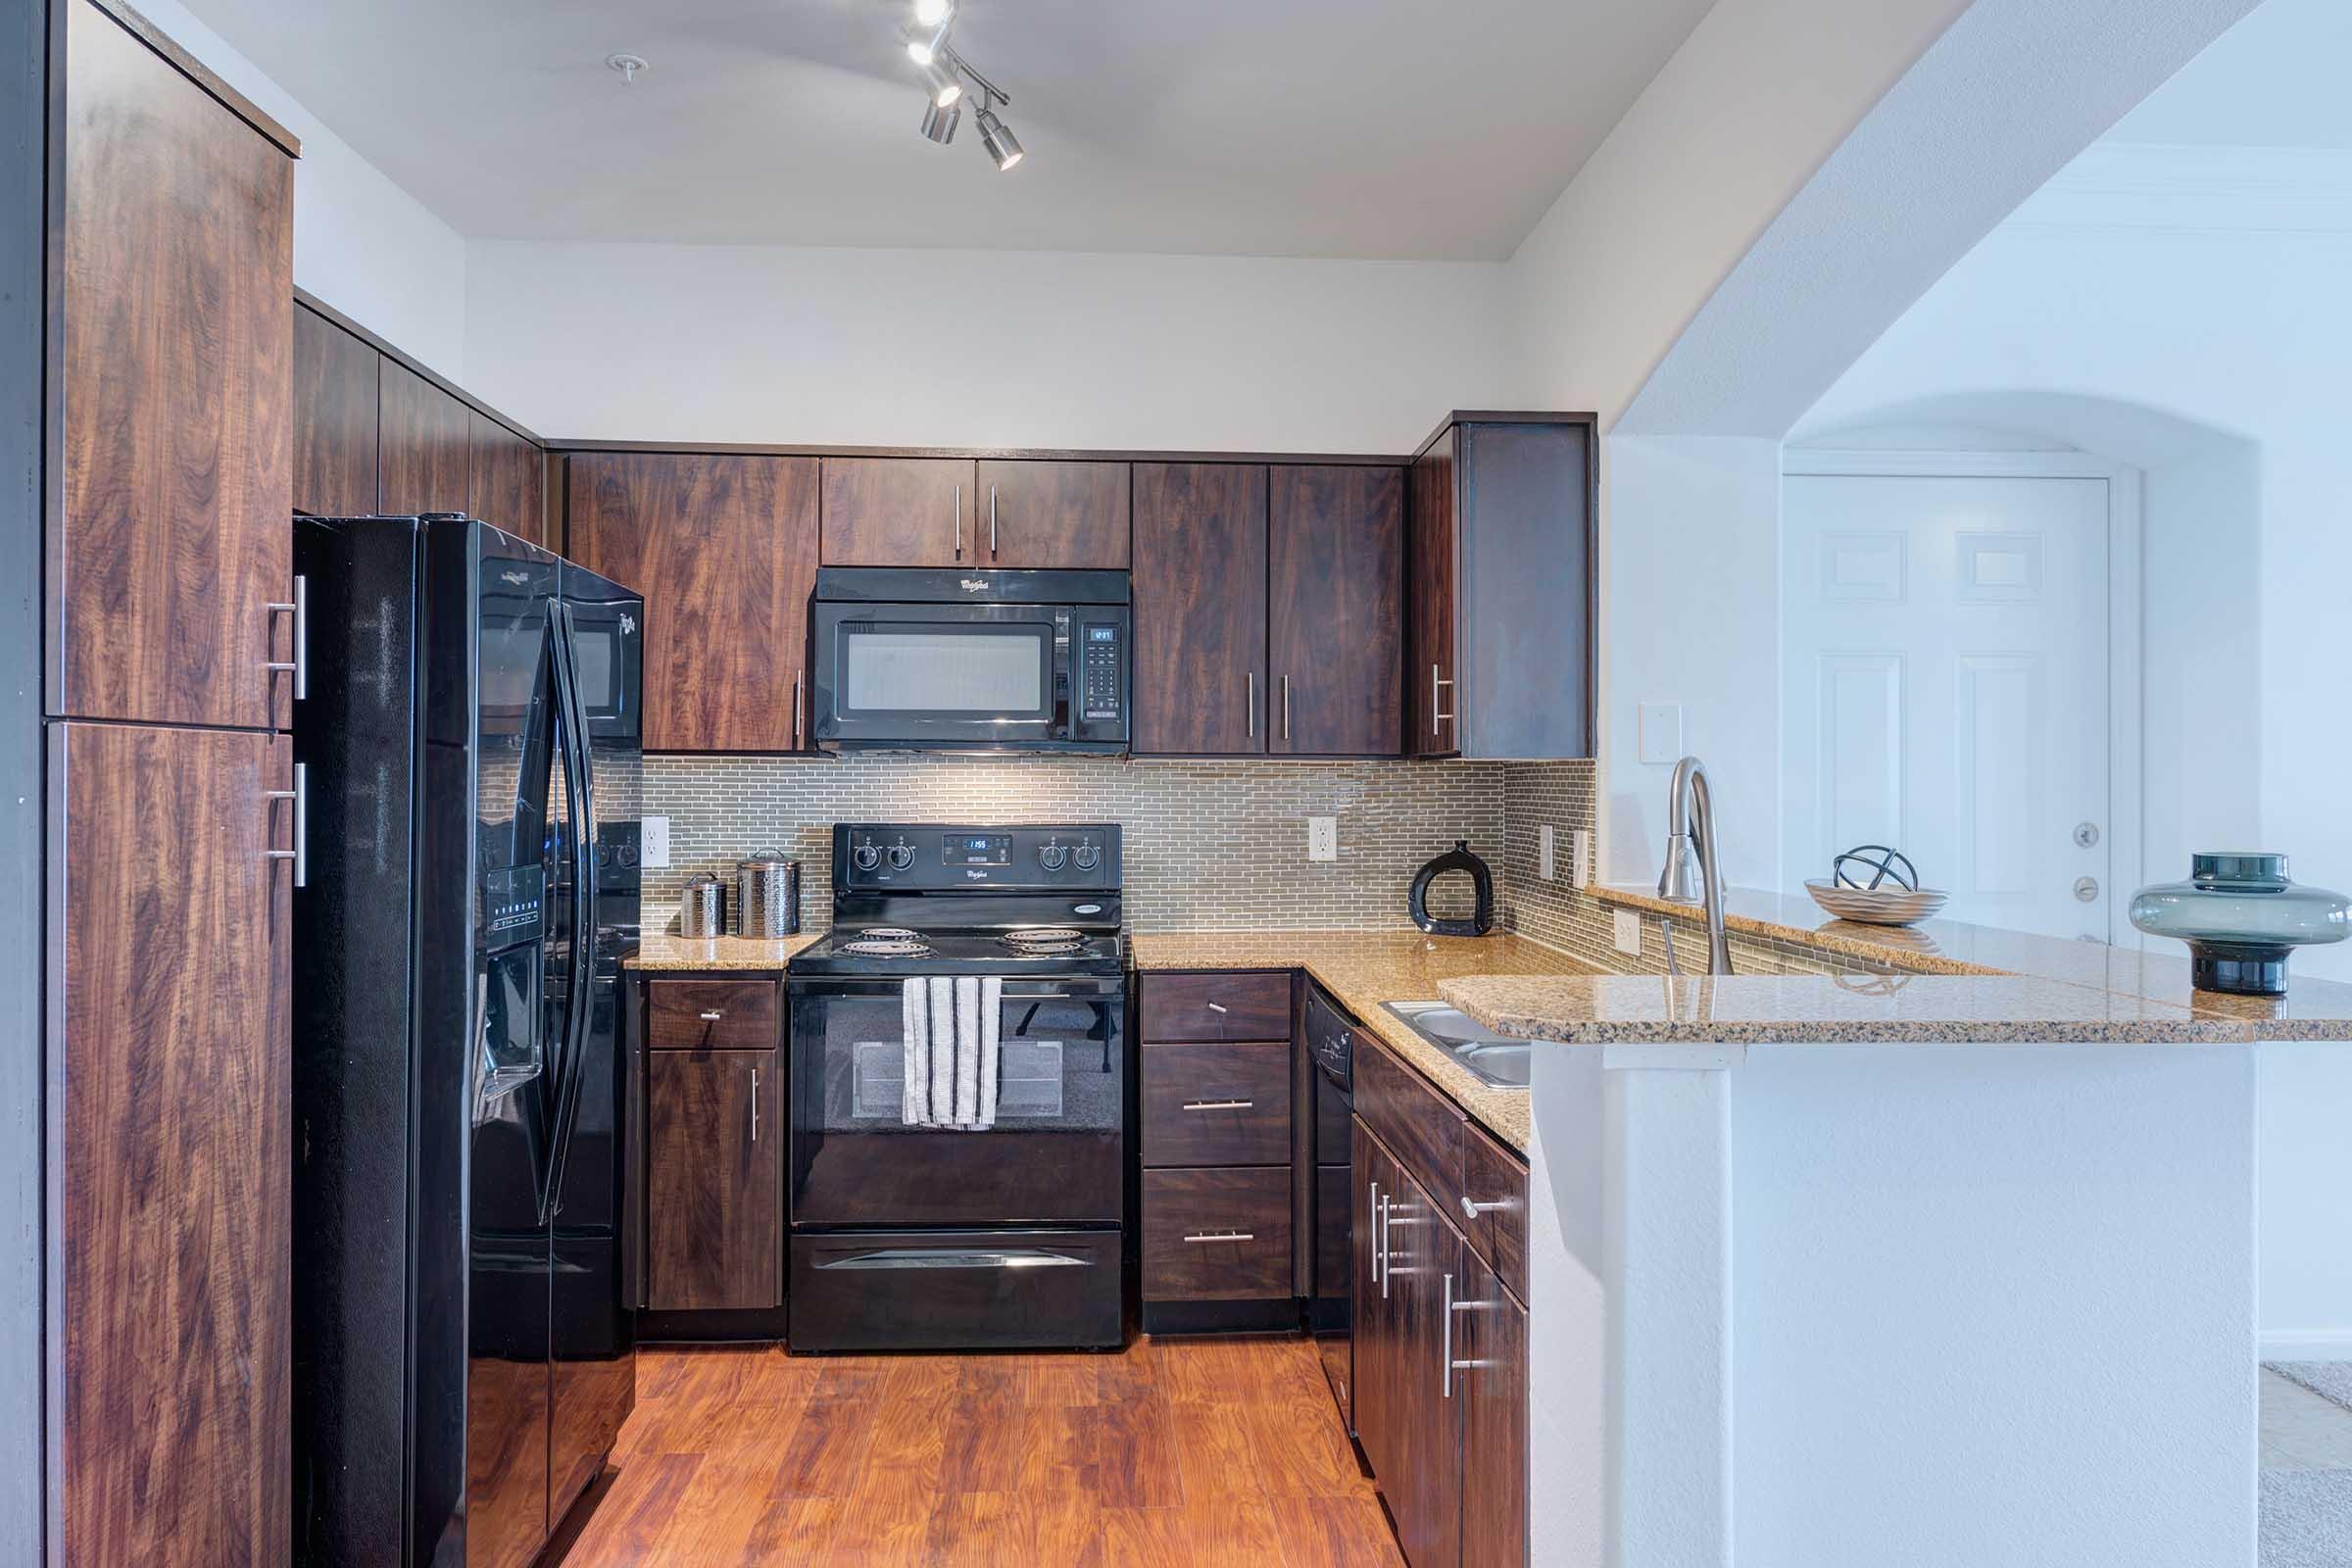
1331, 1040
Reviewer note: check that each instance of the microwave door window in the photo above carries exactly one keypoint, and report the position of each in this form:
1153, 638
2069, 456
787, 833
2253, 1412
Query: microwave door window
996, 671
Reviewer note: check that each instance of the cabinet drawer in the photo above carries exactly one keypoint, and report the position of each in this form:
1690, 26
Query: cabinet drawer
1216, 1004
1218, 1105
711, 1014
1421, 1127
1216, 1235
1492, 1174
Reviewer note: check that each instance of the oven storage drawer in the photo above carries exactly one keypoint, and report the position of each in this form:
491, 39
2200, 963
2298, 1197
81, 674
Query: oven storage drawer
1215, 1005
711, 1014
1216, 1235
955, 1290
1218, 1105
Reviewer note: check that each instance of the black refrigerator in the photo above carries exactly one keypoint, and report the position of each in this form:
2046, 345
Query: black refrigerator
469, 746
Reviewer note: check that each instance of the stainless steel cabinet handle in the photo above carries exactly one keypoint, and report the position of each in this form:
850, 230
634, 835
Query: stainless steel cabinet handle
1435, 686
711, 1016
299, 607
1452, 1367
1216, 1007
1388, 1263
1379, 1253
1286, 707
991, 522
755, 1104
1445, 1343
795, 707
1471, 1208
960, 522
300, 795
1223, 1236
1219, 1105
1250, 700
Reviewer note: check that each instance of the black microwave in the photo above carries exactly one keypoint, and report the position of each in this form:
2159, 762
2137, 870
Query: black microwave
909, 659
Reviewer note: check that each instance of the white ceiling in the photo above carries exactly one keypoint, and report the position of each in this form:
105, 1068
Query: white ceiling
2275, 79
1379, 128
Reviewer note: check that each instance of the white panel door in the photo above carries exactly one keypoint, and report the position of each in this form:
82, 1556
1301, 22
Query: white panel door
1945, 688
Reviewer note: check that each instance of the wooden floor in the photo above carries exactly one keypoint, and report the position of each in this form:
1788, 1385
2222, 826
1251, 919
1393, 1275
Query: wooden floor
1189, 1453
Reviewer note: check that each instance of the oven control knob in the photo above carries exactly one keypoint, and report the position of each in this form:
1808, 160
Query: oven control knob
902, 856
866, 855
1051, 855
1086, 857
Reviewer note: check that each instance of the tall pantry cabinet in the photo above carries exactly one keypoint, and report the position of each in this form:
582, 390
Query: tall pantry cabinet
172, 630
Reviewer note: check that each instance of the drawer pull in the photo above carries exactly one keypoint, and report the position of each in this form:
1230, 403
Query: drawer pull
1223, 1236
1219, 1105
711, 1016
1471, 1209
1216, 1007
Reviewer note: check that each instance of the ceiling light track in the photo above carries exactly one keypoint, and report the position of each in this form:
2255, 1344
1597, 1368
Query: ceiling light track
944, 72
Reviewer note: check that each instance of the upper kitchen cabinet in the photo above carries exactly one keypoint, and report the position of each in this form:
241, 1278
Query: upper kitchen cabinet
902, 511
1335, 591
336, 388
724, 551
170, 546
1044, 515
505, 478
1199, 679
426, 447
1500, 576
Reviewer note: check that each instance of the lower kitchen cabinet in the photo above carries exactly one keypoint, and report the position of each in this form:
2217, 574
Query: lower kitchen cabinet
715, 1180
1217, 1235
1490, 1341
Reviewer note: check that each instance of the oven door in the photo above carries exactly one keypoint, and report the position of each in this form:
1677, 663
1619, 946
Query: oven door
959, 677
1055, 1156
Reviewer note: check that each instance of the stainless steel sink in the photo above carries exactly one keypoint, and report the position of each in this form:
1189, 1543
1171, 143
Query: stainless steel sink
1496, 1060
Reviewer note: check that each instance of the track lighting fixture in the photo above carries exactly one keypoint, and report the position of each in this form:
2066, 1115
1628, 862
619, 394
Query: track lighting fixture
944, 72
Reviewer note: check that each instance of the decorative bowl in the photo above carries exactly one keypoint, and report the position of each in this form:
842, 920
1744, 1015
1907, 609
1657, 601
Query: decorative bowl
1888, 905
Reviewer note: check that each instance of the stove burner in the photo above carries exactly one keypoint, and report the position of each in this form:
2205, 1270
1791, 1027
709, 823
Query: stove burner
1044, 938
890, 933
887, 947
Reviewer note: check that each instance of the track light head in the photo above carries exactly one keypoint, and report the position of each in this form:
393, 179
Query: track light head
933, 13
926, 45
946, 87
940, 124
998, 137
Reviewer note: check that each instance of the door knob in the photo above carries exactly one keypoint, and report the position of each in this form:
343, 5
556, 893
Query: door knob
2087, 835
2086, 890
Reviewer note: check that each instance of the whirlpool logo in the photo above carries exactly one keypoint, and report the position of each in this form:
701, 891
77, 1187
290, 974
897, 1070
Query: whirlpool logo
976, 876
975, 585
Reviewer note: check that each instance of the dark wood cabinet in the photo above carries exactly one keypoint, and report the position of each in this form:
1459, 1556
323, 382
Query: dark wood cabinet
336, 388
1217, 1235
712, 1015
900, 511
504, 480
170, 543
1036, 512
1424, 1267
1199, 682
1216, 1104
1501, 582
1211, 1004
425, 447
724, 549
1491, 1341
715, 1180
1370, 1326
1335, 592
170, 1051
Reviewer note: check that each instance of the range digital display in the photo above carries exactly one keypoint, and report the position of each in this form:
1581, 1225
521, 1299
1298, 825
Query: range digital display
977, 848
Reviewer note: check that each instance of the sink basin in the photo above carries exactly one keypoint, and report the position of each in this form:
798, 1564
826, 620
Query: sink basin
1496, 1060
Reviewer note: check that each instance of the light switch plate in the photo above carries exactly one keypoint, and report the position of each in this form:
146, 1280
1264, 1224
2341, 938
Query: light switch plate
1580, 859
1629, 933
1546, 867
1661, 740
653, 842
1322, 838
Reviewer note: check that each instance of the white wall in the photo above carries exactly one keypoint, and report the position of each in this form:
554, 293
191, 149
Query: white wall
986, 348
361, 243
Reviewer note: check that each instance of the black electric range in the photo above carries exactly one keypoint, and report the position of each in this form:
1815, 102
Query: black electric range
920, 1237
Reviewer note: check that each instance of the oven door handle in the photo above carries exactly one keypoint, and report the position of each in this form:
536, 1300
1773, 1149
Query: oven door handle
957, 1258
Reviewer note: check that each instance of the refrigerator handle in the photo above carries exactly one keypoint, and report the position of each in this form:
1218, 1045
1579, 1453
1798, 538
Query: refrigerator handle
579, 787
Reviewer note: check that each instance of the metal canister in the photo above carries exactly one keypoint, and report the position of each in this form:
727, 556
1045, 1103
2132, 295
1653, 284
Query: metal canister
767, 895
701, 907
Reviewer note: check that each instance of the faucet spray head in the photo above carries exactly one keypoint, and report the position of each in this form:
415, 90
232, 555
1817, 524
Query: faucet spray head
1680, 880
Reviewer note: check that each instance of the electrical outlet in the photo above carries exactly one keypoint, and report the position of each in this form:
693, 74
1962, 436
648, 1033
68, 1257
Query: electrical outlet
1545, 867
1661, 737
1629, 933
1580, 859
653, 842
1322, 838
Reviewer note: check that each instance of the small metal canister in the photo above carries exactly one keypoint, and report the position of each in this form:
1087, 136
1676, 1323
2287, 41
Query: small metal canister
700, 910
767, 895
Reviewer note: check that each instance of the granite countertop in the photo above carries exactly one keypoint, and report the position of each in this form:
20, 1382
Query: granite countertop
662, 950
1362, 969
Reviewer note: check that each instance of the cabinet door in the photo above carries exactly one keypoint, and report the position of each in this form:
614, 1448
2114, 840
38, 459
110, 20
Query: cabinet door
1200, 607
505, 476
336, 384
715, 1180
173, 1155
1371, 1345
1335, 591
428, 437
1431, 693
1491, 1335
900, 511
177, 365
1069, 515
1424, 1483
724, 551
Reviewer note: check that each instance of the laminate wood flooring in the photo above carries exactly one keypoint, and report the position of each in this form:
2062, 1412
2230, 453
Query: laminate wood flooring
1190, 1453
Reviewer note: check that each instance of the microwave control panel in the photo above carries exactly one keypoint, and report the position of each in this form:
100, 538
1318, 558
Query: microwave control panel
1101, 668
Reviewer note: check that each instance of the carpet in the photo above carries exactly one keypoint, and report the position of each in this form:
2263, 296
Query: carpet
2307, 1519
2329, 1380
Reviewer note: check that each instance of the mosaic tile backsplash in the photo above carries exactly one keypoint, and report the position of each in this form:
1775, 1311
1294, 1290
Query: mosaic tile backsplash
1209, 845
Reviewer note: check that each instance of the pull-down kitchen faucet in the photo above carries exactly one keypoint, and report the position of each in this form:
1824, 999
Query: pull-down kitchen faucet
1688, 802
